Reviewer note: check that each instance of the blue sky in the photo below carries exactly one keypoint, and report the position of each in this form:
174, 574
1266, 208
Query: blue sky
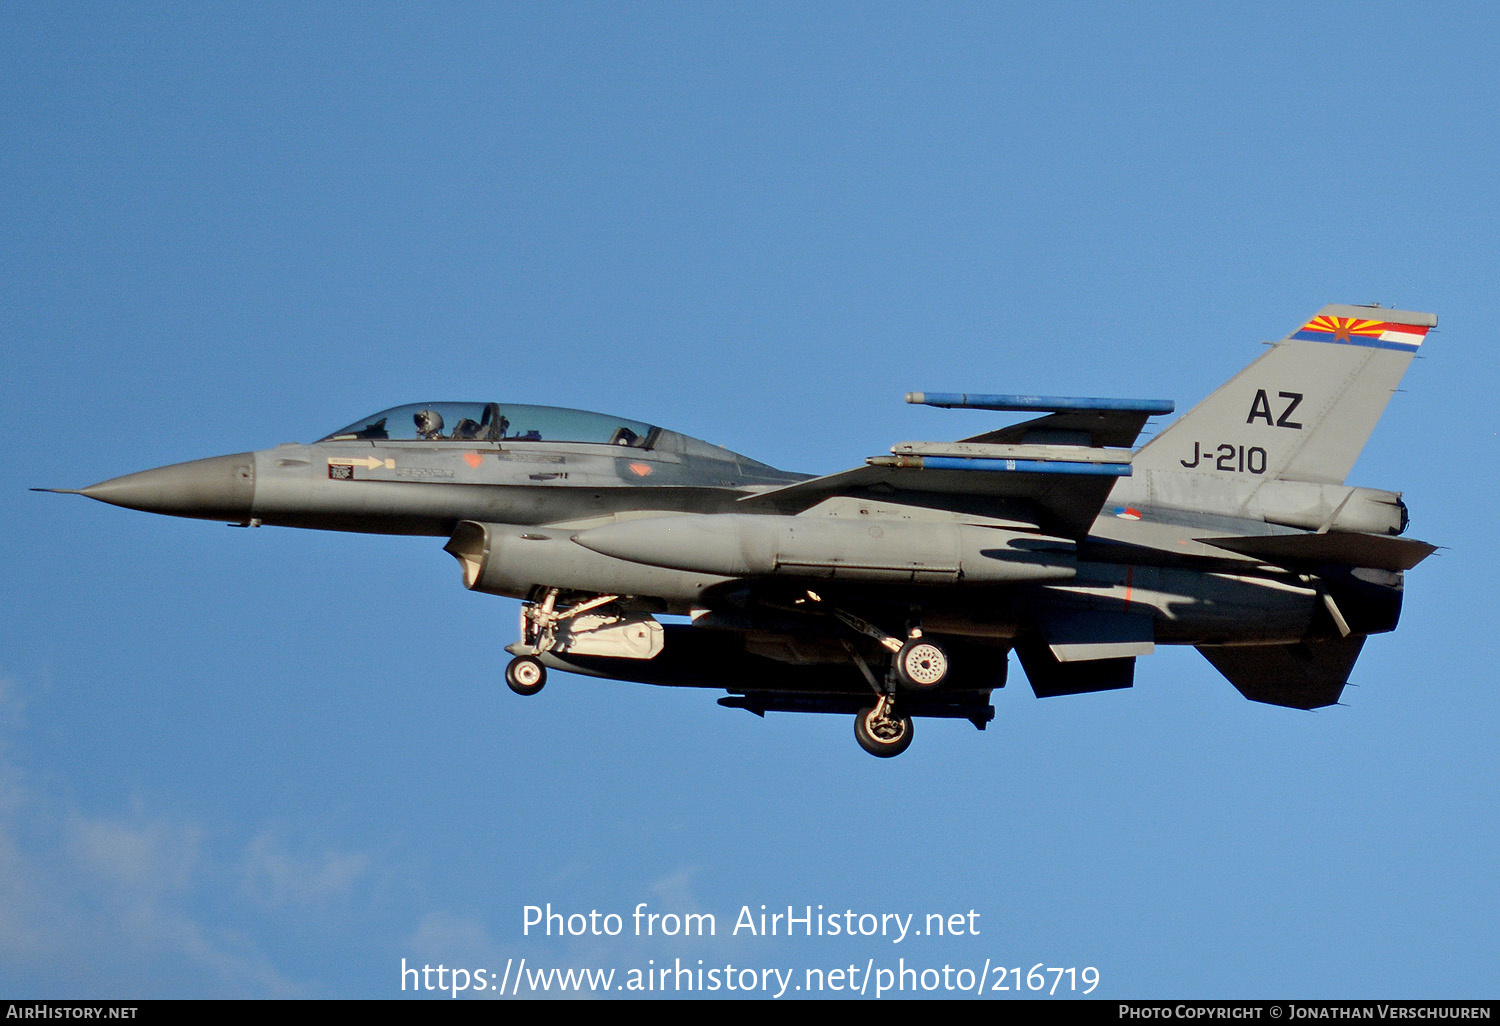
276, 762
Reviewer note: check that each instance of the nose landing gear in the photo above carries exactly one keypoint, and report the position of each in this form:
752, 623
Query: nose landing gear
525, 676
593, 626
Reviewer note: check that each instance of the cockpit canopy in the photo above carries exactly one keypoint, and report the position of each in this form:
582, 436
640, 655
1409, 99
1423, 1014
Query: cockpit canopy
494, 422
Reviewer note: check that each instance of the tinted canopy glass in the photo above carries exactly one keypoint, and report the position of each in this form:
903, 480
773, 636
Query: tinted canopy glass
493, 422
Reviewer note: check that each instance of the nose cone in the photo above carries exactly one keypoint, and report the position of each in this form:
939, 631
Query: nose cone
221, 488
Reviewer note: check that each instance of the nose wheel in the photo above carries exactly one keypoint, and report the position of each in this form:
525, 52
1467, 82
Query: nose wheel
525, 676
541, 622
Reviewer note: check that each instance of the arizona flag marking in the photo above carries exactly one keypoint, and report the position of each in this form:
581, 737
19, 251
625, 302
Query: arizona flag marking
1356, 332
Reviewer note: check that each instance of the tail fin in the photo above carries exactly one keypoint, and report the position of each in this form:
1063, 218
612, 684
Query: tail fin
1304, 409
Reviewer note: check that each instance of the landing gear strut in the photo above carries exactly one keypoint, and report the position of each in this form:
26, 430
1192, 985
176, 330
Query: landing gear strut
917, 666
525, 675
541, 622
591, 626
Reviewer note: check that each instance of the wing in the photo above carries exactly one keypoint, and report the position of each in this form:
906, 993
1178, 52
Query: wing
1080, 421
1055, 471
1060, 502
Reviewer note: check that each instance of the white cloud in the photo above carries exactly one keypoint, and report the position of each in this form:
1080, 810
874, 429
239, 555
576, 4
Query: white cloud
675, 890
111, 904
140, 859
455, 939
273, 877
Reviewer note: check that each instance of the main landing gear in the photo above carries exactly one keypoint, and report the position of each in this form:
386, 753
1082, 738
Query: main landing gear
881, 731
920, 666
917, 667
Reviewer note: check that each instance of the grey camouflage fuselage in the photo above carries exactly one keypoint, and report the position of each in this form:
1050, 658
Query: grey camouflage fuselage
896, 589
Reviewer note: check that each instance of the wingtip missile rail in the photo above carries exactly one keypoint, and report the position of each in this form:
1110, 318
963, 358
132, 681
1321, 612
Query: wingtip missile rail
1037, 403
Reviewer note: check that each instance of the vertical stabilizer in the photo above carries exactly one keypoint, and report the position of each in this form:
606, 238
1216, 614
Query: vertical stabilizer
1304, 409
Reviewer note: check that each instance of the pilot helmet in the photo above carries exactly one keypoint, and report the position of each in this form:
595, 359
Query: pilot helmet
429, 422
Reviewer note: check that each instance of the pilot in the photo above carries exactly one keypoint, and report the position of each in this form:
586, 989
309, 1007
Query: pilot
429, 424
492, 424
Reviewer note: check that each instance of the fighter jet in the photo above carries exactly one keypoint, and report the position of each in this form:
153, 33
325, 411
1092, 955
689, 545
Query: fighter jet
897, 589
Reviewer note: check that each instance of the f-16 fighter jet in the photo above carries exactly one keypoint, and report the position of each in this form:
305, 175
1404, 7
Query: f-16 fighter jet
897, 589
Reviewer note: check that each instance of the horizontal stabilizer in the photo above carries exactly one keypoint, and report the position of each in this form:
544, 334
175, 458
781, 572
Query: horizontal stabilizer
1307, 675
1377, 551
